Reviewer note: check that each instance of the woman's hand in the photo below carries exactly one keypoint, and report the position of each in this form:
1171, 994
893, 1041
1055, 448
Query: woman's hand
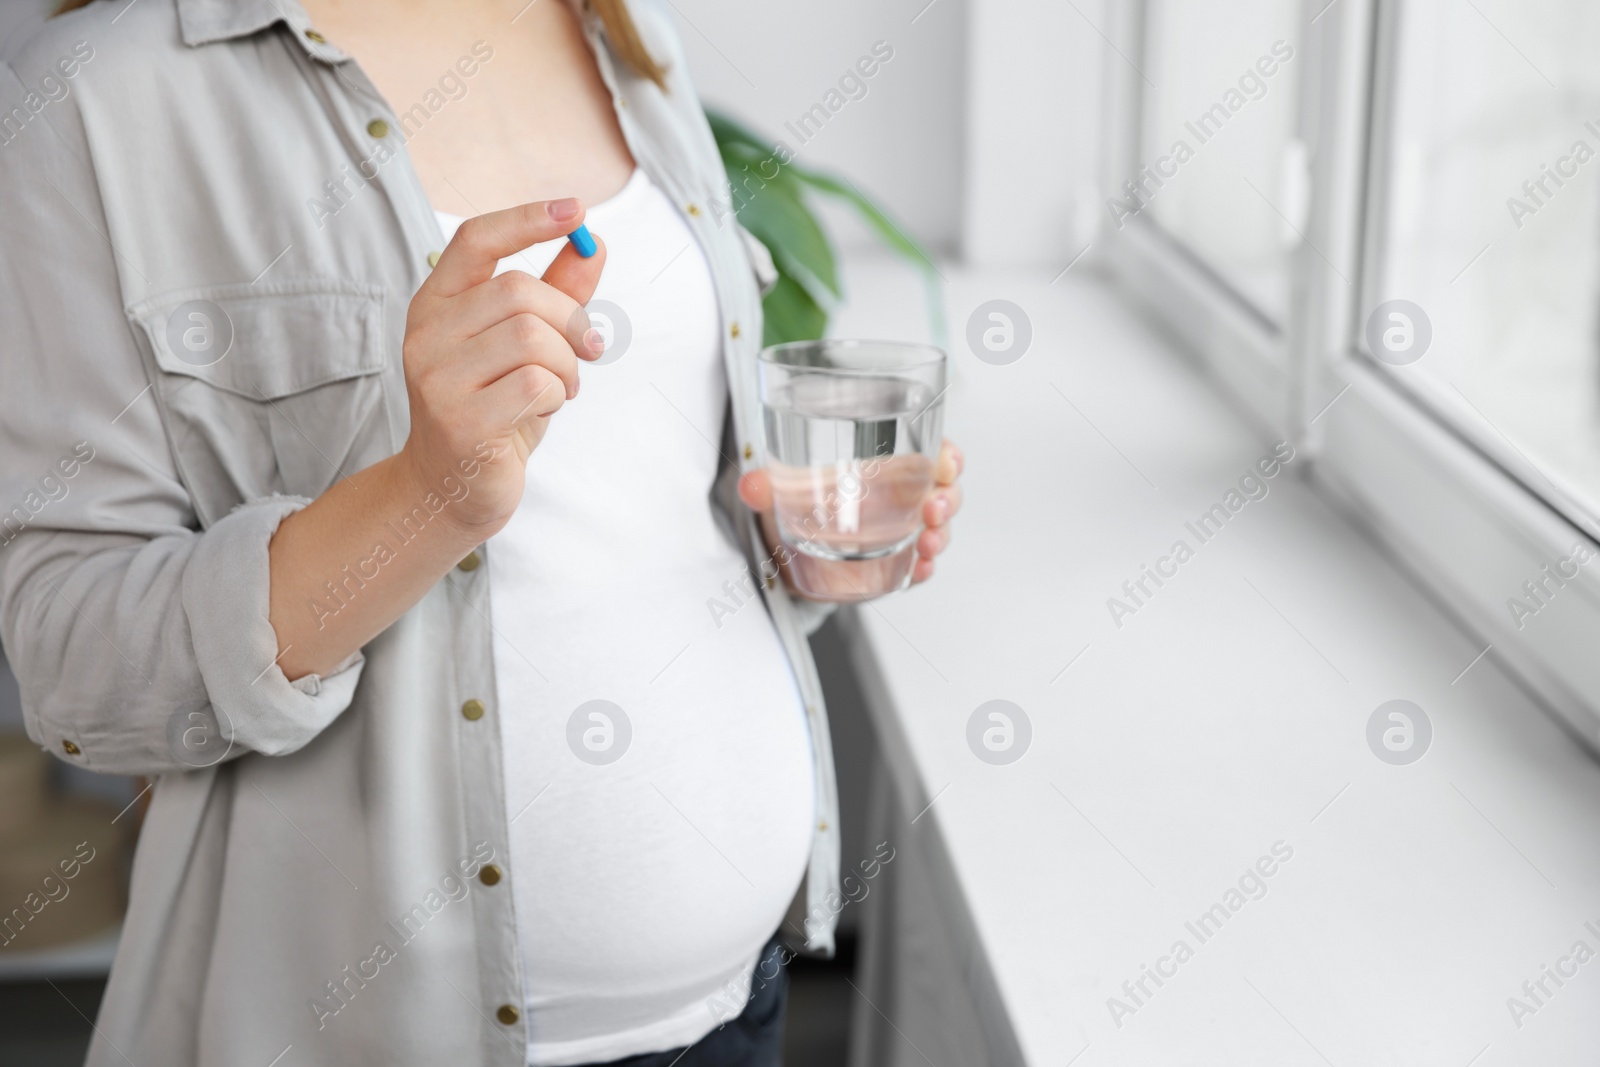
489, 359
938, 508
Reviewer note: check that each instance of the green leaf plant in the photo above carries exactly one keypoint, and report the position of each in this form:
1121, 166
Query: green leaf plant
770, 198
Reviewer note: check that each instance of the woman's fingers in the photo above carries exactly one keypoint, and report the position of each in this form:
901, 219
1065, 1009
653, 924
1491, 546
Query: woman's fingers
950, 464
755, 489
521, 339
527, 392
464, 275
932, 541
941, 505
519, 293
937, 510
482, 242
574, 275
945, 499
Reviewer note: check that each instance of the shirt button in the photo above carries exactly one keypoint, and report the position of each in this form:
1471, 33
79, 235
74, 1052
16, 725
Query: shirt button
433, 259
69, 748
733, 330
749, 452
471, 562
693, 209
507, 1014
472, 710
822, 825
313, 35
489, 874
378, 128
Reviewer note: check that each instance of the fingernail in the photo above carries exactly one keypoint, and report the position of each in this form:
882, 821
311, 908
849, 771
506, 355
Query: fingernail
941, 508
563, 210
572, 390
594, 340
576, 385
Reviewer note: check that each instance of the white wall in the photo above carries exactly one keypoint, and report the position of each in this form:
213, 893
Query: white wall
902, 143
982, 136
1033, 130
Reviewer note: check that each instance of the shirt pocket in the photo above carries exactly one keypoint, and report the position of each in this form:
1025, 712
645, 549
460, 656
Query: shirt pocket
268, 390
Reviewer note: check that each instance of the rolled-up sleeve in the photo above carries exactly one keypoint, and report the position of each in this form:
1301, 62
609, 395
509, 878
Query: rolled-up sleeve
225, 599
124, 623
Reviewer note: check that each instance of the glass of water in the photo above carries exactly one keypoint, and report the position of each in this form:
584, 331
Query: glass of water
853, 430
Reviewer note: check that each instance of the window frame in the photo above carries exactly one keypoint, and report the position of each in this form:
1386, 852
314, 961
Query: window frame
1245, 352
1461, 518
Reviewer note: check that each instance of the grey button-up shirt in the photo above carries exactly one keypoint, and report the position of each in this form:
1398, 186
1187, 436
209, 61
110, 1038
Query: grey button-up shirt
311, 879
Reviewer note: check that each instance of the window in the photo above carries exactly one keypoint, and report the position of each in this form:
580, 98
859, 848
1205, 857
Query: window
1491, 227
1218, 134
1392, 253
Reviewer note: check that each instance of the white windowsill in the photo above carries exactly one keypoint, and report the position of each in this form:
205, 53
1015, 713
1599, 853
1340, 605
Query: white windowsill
1227, 714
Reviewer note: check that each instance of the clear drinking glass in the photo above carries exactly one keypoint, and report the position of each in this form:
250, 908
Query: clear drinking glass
853, 431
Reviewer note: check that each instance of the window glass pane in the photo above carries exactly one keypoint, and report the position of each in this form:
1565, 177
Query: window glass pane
1219, 170
1491, 228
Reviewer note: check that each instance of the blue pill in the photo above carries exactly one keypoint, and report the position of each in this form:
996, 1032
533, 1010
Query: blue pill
583, 241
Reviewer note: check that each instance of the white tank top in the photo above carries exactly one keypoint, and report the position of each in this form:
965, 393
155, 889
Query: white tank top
644, 886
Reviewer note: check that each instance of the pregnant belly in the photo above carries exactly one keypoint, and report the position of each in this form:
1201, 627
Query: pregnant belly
655, 847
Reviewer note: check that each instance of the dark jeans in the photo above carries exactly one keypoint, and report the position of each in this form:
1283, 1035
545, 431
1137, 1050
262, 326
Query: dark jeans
754, 1039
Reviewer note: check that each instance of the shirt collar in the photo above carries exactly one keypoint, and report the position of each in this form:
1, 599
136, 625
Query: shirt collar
208, 21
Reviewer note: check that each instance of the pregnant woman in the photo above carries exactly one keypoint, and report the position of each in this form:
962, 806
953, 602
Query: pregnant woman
452, 762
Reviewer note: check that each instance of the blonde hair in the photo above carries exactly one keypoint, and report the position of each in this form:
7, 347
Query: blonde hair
621, 32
